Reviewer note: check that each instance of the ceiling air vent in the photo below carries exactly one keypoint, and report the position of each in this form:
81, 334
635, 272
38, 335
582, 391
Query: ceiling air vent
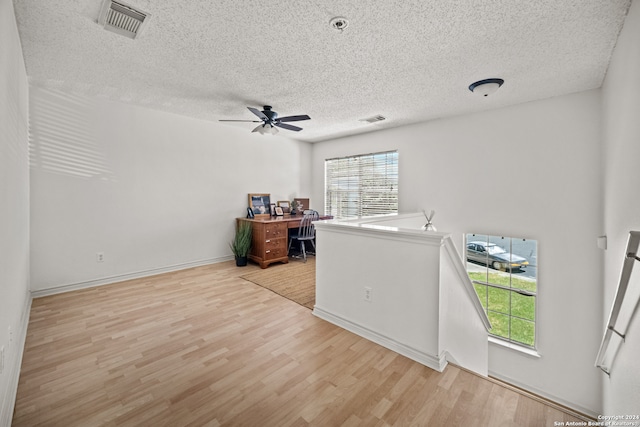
122, 19
373, 119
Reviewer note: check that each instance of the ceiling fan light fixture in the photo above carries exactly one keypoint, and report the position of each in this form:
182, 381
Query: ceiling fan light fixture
265, 128
269, 119
486, 87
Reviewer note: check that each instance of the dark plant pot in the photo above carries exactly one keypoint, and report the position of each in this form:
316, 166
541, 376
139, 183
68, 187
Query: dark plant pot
241, 261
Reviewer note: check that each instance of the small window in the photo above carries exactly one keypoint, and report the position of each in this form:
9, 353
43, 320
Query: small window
363, 185
504, 273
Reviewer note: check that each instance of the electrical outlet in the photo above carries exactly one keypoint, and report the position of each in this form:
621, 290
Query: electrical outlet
10, 335
99, 256
368, 294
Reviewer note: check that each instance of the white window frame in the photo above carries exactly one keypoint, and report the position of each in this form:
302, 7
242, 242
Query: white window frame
508, 341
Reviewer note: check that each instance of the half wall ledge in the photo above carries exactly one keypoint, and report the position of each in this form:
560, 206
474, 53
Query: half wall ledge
387, 280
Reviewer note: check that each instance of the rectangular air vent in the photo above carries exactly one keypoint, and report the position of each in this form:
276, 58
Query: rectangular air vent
373, 119
122, 19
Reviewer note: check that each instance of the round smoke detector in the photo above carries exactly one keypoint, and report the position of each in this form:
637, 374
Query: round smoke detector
339, 23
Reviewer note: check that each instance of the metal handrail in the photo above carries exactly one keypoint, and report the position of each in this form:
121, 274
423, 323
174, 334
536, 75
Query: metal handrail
631, 255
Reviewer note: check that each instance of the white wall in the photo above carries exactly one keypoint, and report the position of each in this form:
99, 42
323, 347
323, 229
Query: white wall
621, 124
14, 208
151, 190
530, 171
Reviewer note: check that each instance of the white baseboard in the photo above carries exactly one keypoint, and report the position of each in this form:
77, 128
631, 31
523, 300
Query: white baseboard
580, 410
122, 277
437, 363
13, 365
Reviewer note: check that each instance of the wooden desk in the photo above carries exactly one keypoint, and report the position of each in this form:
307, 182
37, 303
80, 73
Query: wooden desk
270, 238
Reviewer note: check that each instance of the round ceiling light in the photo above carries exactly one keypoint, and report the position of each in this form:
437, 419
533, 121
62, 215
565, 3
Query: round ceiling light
486, 87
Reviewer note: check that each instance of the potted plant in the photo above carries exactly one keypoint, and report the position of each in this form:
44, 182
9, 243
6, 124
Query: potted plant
241, 243
296, 207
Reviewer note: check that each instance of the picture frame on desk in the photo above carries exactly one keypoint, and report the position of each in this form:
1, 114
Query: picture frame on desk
273, 209
284, 204
279, 211
260, 204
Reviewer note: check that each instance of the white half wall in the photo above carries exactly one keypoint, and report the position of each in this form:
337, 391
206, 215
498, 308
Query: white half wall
621, 151
530, 171
14, 209
152, 191
386, 279
399, 271
463, 334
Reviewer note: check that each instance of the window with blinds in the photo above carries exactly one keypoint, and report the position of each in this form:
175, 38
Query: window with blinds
361, 185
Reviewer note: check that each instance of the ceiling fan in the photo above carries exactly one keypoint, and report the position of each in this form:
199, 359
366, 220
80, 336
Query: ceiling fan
270, 120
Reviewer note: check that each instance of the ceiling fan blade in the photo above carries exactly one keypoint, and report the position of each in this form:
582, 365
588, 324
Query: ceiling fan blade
288, 127
293, 118
248, 121
258, 113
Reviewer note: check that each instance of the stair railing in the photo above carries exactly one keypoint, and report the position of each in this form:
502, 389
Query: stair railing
618, 325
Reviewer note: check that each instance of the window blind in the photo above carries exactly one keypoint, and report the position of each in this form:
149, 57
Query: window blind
362, 185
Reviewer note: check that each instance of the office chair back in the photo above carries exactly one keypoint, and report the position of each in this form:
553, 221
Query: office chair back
306, 232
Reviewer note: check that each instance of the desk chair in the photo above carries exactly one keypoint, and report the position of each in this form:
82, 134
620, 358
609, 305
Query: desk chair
306, 232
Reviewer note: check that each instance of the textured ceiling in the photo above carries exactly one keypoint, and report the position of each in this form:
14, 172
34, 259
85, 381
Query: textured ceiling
410, 61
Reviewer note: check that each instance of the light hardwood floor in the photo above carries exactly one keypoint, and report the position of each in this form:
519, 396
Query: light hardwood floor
202, 347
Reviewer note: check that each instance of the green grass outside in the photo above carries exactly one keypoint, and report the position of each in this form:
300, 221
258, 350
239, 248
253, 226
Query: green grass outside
504, 279
499, 304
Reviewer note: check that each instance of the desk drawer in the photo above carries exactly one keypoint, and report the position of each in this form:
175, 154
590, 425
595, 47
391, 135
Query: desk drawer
275, 243
275, 253
272, 231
